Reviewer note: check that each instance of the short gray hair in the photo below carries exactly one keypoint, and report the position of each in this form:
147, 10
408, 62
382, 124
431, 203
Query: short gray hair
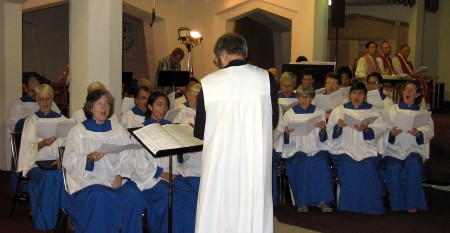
288, 76
44, 88
231, 43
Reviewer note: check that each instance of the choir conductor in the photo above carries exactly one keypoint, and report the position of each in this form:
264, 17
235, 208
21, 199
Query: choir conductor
236, 112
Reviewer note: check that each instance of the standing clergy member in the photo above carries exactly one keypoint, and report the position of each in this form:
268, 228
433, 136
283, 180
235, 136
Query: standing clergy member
235, 123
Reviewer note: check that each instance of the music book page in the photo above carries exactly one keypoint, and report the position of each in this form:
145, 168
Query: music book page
345, 90
352, 121
287, 103
127, 104
421, 70
330, 101
374, 98
46, 128
159, 138
303, 128
108, 148
406, 122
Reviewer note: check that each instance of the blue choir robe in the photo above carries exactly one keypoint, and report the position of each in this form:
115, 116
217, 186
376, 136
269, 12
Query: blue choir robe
403, 162
45, 187
307, 160
94, 205
184, 203
354, 155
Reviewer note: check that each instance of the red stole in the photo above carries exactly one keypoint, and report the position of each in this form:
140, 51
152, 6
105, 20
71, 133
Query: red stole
405, 67
371, 64
387, 64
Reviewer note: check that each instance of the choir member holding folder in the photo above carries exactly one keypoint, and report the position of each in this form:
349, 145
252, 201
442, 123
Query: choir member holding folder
102, 196
306, 155
184, 196
406, 151
46, 187
354, 153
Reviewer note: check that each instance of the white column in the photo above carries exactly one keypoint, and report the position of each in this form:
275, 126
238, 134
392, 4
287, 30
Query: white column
415, 39
10, 68
95, 49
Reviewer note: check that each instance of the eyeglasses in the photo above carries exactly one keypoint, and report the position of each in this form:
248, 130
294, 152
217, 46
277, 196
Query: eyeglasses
215, 61
373, 83
102, 104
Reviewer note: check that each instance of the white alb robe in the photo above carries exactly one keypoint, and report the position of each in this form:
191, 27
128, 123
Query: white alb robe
235, 188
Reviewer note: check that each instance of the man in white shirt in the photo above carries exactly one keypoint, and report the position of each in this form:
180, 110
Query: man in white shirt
367, 63
400, 61
383, 59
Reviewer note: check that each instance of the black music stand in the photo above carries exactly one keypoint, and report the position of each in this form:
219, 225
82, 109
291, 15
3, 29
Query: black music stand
170, 153
173, 78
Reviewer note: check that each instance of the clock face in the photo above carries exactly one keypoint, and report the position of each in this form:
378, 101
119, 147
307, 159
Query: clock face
127, 36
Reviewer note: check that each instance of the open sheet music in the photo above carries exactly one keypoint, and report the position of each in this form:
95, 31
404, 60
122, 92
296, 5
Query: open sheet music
164, 140
116, 149
330, 101
174, 103
374, 98
287, 103
303, 128
421, 70
51, 128
407, 122
352, 121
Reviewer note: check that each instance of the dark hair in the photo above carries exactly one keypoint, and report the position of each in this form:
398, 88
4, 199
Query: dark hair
154, 96
419, 90
178, 52
369, 43
94, 96
301, 58
137, 90
345, 70
358, 86
334, 75
308, 71
231, 43
379, 77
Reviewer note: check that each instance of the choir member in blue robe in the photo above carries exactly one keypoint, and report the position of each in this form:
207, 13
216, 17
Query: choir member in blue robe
45, 187
353, 150
406, 152
306, 156
184, 196
102, 196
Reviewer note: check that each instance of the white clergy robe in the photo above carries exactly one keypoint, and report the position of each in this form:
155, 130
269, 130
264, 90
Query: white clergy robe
235, 187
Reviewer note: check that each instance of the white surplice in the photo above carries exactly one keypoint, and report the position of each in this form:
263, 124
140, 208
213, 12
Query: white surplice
235, 187
405, 143
351, 141
81, 142
29, 154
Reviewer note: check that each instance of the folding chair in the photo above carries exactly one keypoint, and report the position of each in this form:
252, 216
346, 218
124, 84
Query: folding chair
14, 140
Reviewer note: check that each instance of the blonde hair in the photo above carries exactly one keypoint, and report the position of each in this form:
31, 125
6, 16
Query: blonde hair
44, 88
193, 89
95, 86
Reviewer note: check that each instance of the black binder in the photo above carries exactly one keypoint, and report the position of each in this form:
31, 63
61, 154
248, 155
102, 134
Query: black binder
173, 78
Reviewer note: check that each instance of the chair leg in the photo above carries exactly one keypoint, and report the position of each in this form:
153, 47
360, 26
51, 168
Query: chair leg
16, 197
